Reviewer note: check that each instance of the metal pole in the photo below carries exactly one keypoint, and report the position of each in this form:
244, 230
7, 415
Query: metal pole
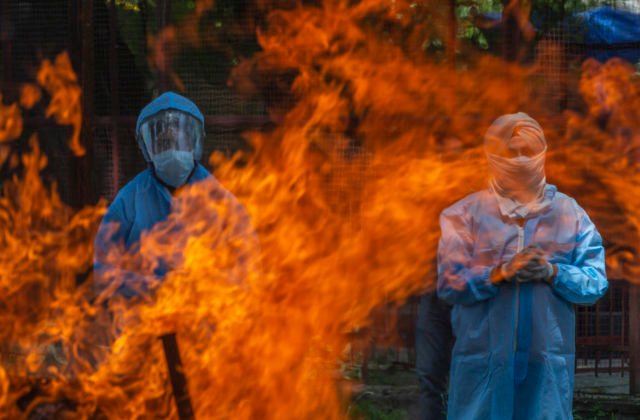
452, 35
6, 28
510, 32
623, 327
115, 96
564, 67
144, 15
82, 53
634, 339
163, 14
610, 338
597, 336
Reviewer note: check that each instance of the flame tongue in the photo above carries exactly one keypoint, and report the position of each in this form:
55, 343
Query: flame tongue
10, 122
46, 247
60, 81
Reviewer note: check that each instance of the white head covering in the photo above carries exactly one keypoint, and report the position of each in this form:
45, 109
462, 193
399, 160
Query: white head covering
519, 181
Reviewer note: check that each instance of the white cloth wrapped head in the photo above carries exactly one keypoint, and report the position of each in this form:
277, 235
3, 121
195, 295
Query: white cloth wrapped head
515, 148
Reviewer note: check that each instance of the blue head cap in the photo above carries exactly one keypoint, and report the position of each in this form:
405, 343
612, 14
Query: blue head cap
169, 100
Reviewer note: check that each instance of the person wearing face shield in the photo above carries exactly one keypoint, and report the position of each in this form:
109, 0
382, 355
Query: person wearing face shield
170, 134
512, 261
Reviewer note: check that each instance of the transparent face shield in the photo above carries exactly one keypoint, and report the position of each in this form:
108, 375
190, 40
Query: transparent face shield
171, 130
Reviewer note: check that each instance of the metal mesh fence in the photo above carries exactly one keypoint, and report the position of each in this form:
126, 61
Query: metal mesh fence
201, 74
31, 32
123, 77
602, 330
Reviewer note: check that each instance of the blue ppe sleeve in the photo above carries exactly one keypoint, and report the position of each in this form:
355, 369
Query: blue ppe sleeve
110, 239
584, 281
460, 281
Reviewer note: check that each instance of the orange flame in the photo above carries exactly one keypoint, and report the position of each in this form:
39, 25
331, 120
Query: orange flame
10, 122
347, 219
606, 148
47, 247
30, 94
60, 81
164, 47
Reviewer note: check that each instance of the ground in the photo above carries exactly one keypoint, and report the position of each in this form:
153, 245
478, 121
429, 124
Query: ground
391, 393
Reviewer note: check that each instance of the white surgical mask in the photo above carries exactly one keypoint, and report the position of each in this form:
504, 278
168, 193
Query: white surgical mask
173, 166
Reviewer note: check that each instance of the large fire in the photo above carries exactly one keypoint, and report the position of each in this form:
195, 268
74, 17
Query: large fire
344, 195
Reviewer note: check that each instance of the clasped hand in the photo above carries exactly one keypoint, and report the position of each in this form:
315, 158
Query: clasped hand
528, 265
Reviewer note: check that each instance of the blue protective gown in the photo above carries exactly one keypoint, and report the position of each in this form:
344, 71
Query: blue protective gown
144, 203
514, 352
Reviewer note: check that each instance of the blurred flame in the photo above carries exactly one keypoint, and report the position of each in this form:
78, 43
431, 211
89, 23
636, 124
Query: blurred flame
30, 94
46, 246
10, 122
605, 148
4, 153
346, 212
612, 93
164, 47
521, 11
60, 81
203, 6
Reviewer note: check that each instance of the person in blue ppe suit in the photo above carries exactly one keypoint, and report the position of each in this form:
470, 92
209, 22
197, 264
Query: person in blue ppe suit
512, 260
170, 134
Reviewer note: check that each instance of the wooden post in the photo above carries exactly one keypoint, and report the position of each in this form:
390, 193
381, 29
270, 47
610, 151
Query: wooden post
510, 32
87, 80
144, 16
115, 97
163, 16
81, 50
452, 35
5, 39
177, 377
634, 339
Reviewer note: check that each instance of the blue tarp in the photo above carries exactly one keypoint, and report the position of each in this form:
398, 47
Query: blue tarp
604, 32
611, 33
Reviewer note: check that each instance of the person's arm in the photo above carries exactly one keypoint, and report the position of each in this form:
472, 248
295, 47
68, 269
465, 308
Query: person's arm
110, 276
460, 281
584, 281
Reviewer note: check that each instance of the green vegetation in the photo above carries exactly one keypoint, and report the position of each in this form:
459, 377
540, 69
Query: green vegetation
365, 409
